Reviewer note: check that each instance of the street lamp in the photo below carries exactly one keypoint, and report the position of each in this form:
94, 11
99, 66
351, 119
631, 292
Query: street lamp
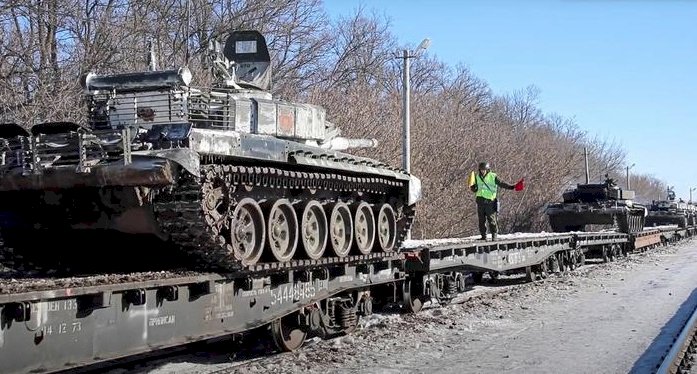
405, 55
629, 167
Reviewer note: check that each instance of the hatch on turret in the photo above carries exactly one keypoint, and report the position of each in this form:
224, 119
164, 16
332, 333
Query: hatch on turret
248, 51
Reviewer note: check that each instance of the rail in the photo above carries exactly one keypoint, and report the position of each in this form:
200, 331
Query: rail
682, 352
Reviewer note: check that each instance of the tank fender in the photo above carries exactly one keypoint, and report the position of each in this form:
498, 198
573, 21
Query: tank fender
188, 159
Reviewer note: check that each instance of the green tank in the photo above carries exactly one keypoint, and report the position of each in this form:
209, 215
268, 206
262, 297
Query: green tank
670, 211
602, 204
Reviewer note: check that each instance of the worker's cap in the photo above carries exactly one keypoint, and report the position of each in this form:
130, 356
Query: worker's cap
483, 166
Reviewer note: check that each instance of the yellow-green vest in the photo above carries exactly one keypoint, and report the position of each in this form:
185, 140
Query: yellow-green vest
487, 187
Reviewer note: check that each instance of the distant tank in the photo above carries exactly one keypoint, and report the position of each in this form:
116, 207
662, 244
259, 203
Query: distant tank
670, 212
229, 174
597, 204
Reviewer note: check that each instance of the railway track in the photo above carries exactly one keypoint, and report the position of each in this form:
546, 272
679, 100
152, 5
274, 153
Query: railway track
682, 355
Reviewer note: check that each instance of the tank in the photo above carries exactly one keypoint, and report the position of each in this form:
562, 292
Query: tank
670, 211
597, 204
228, 174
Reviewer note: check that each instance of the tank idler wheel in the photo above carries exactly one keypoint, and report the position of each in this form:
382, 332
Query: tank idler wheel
341, 229
282, 230
364, 226
412, 300
387, 228
287, 334
247, 233
313, 230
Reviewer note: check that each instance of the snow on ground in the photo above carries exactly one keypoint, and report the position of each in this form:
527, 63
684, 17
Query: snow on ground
601, 318
407, 244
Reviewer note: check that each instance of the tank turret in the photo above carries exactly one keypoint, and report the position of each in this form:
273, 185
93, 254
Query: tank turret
597, 204
227, 173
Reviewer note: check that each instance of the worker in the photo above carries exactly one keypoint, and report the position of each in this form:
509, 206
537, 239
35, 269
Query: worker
485, 185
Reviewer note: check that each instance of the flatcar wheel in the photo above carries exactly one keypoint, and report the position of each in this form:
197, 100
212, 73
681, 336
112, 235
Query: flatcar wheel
286, 333
606, 256
247, 231
364, 226
314, 230
477, 277
341, 229
530, 275
572, 261
561, 260
411, 299
543, 269
387, 228
282, 230
461, 283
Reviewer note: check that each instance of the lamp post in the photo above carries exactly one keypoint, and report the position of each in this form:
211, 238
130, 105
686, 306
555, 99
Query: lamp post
405, 55
629, 167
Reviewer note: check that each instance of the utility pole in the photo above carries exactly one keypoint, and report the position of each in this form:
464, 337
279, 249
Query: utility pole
629, 167
405, 55
406, 115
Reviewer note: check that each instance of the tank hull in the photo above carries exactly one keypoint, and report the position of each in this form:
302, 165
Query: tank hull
194, 196
568, 217
654, 219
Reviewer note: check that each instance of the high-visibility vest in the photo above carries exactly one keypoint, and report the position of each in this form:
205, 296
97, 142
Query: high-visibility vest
487, 187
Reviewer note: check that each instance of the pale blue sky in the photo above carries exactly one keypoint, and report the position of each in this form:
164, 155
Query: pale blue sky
625, 70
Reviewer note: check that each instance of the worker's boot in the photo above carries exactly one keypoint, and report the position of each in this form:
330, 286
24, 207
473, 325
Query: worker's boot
493, 237
483, 237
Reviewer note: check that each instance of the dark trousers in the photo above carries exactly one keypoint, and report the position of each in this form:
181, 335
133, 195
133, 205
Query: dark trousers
486, 210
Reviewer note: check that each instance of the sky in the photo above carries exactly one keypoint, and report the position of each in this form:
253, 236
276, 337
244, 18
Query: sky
624, 70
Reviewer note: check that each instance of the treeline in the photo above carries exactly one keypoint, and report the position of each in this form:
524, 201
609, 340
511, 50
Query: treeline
347, 65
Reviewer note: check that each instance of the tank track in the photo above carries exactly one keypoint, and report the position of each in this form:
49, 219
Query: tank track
195, 212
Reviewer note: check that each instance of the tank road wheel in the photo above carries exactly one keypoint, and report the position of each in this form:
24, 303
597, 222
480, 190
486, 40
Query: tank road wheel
341, 229
286, 333
247, 231
282, 230
364, 226
387, 228
314, 230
